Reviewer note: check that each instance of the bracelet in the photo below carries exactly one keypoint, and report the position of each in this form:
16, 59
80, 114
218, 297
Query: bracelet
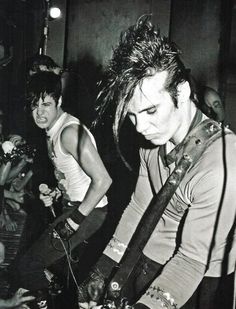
117, 246
167, 301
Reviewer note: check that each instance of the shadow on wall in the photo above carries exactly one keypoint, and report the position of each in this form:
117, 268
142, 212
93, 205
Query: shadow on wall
82, 97
81, 88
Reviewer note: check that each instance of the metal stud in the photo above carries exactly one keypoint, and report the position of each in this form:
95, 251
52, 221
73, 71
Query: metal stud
115, 286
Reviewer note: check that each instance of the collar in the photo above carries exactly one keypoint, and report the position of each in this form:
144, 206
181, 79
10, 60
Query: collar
169, 158
50, 133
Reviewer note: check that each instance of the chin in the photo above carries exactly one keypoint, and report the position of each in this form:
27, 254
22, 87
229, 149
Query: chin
42, 126
157, 141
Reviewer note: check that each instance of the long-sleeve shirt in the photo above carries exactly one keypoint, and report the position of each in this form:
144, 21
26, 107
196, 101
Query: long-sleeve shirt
206, 196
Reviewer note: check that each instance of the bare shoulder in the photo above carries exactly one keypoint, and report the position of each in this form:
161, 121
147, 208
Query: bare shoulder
70, 135
70, 131
74, 134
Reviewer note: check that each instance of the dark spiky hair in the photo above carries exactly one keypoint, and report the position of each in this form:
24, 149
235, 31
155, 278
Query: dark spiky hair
141, 52
40, 85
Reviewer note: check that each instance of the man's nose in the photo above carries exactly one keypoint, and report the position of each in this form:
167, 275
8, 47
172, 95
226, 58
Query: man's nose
39, 111
141, 125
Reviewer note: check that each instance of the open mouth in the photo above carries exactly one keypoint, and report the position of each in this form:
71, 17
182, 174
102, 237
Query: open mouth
41, 120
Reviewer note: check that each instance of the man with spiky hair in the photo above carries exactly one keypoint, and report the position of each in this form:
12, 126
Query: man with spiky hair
82, 183
187, 246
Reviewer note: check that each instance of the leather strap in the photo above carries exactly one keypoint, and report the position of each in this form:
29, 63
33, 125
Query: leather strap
194, 144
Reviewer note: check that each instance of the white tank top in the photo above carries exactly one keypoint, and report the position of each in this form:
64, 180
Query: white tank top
72, 180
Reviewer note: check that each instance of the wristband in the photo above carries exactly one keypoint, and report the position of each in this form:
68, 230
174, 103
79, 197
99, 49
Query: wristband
77, 216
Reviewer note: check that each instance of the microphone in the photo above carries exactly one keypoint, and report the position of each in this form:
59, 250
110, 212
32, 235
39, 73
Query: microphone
44, 189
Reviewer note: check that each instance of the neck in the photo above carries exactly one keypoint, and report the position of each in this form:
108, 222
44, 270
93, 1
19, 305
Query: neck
187, 116
60, 112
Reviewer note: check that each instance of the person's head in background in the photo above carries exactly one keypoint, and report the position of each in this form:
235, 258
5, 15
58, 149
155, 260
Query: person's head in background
44, 99
209, 100
41, 63
214, 103
44, 63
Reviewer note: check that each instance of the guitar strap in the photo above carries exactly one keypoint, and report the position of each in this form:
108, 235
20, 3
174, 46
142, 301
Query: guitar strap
193, 146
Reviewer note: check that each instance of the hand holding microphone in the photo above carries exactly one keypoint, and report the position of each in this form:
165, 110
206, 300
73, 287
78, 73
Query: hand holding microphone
68, 226
47, 196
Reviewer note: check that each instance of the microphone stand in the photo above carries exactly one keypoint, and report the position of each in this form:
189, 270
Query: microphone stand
43, 49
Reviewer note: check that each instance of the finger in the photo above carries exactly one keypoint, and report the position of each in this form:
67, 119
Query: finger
45, 198
27, 298
48, 204
47, 201
22, 291
92, 304
24, 306
96, 307
83, 305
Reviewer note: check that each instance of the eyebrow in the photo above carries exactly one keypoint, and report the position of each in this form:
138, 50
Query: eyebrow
143, 110
47, 102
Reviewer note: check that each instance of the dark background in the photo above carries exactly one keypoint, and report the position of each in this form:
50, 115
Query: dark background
82, 40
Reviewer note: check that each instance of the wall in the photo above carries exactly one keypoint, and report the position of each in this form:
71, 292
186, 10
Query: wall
83, 38
95, 26
21, 26
57, 31
230, 97
93, 30
195, 27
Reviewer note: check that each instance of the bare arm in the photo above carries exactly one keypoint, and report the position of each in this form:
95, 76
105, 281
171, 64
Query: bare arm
16, 196
4, 172
76, 141
16, 170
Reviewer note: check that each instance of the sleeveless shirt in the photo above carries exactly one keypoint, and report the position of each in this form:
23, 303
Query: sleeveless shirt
72, 180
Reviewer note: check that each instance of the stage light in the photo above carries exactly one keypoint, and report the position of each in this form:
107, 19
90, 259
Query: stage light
54, 12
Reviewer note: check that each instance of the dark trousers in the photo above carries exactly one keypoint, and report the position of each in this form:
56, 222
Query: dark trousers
212, 293
48, 249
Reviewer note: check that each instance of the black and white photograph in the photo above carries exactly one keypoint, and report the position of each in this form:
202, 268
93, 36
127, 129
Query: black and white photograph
118, 154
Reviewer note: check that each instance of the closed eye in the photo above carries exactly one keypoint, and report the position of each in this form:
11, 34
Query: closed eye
46, 103
151, 110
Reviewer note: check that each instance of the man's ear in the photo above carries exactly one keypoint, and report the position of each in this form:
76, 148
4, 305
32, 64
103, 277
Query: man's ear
59, 101
184, 91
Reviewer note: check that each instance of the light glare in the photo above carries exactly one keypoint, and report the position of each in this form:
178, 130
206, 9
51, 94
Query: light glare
55, 12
